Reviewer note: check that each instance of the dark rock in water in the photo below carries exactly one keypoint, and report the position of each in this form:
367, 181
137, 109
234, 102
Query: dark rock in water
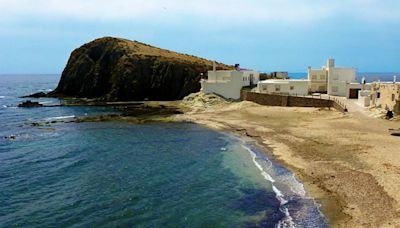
255, 201
29, 104
11, 137
36, 95
118, 69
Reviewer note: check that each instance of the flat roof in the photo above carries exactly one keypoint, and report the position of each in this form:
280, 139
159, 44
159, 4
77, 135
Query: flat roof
283, 81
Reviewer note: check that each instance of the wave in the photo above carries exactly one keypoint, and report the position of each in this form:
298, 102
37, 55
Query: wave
2, 97
60, 117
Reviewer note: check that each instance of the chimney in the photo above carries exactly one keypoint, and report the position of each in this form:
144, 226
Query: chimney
331, 63
214, 66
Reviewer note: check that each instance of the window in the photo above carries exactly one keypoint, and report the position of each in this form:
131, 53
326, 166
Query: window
392, 97
334, 89
314, 77
264, 87
321, 88
322, 77
291, 87
277, 88
378, 95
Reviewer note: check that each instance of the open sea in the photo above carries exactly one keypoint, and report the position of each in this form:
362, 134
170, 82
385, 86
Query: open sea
112, 174
369, 77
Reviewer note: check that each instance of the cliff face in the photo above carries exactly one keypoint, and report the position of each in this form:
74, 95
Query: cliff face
119, 69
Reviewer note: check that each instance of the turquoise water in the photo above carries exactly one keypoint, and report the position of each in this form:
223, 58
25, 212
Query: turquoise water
148, 175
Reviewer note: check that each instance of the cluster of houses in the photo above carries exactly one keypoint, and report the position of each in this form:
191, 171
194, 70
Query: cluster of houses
329, 79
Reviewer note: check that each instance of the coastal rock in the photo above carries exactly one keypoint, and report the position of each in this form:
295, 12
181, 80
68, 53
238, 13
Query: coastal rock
118, 69
30, 104
36, 95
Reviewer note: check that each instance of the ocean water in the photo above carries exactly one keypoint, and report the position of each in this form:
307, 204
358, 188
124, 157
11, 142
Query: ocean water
369, 76
147, 175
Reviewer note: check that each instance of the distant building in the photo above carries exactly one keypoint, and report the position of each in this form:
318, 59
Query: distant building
334, 81
274, 75
280, 75
228, 83
284, 87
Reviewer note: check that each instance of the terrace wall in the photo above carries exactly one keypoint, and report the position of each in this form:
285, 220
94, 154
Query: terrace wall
290, 101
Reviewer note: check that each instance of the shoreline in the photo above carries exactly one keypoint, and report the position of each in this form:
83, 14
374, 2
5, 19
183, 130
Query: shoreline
289, 190
347, 162
329, 205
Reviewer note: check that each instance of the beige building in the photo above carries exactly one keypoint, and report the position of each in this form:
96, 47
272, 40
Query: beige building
280, 75
386, 95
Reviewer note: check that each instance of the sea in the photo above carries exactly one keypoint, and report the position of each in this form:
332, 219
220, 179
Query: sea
368, 76
109, 174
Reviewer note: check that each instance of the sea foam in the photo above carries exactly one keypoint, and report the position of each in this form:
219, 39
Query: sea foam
287, 221
60, 117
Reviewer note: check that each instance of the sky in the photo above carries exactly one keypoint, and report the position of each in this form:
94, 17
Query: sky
37, 36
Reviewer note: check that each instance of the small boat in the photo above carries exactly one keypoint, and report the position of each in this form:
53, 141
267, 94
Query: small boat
395, 132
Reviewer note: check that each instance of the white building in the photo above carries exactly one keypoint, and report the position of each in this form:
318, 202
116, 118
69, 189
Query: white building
318, 80
284, 87
228, 83
336, 81
364, 98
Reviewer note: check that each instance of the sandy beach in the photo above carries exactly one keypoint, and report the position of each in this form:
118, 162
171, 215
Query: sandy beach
348, 162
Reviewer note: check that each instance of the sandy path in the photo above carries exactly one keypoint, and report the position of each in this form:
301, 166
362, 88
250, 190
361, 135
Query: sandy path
348, 162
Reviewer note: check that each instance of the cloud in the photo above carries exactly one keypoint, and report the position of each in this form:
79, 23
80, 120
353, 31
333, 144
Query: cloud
290, 12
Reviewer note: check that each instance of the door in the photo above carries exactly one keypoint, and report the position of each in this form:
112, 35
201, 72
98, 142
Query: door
354, 93
251, 80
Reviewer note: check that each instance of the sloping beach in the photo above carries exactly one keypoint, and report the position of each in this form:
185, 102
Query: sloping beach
348, 162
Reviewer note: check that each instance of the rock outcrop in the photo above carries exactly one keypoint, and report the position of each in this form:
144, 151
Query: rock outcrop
30, 104
119, 69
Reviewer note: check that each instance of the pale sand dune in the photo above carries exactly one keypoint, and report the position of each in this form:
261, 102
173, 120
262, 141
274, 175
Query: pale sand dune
348, 162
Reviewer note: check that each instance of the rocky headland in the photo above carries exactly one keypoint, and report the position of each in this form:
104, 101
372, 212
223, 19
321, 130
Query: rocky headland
114, 69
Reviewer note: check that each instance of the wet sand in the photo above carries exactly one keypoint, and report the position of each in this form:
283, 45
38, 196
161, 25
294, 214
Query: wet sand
349, 163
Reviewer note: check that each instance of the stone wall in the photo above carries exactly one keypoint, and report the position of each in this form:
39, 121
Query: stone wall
290, 101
